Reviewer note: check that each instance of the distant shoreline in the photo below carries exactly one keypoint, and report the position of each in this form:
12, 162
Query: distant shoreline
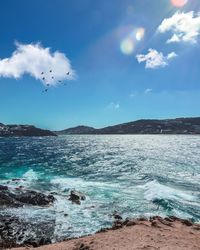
182, 126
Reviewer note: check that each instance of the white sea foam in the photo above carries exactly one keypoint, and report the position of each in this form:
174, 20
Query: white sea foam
155, 190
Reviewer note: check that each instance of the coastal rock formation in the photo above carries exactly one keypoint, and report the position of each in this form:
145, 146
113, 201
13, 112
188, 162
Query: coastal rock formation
23, 130
15, 232
11, 198
167, 126
152, 233
76, 197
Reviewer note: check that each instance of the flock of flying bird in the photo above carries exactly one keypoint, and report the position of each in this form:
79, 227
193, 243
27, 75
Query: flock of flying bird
52, 77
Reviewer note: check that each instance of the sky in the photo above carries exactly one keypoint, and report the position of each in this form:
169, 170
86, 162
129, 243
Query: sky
65, 63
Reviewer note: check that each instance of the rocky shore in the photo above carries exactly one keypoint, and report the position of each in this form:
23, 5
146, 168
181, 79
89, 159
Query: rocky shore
169, 233
141, 233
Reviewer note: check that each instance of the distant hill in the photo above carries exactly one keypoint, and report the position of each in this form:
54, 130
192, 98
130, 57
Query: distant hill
77, 130
148, 126
23, 130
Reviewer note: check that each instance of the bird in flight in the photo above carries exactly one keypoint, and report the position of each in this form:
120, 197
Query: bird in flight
42, 73
50, 70
67, 73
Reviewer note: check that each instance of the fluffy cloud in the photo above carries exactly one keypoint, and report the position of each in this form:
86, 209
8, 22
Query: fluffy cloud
155, 59
185, 27
37, 61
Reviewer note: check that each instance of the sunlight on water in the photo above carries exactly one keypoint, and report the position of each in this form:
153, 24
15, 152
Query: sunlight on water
135, 175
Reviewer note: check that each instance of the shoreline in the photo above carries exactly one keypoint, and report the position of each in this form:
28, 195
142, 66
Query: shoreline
154, 233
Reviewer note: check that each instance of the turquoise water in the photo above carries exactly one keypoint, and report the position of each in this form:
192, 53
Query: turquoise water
137, 175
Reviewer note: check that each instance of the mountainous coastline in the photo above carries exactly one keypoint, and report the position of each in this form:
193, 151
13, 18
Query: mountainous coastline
145, 126
23, 130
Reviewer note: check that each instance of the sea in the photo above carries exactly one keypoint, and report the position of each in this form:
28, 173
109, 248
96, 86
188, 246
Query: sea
135, 175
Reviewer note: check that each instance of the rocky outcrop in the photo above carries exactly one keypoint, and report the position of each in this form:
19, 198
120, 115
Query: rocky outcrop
19, 197
76, 197
15, 232
23, 130
167, 126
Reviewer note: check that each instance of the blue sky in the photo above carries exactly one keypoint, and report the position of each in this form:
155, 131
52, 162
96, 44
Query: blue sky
129, 59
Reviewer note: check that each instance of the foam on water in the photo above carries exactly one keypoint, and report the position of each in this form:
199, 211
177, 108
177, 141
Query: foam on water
155, 190
135, 175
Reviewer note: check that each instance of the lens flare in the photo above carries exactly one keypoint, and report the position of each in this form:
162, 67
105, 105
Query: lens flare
179, 3
127, 46
140, 34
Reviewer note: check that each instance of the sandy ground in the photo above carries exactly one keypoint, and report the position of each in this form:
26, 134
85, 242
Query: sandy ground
155, 234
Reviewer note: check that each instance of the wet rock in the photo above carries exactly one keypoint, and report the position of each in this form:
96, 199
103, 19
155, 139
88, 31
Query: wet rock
142, 219
131, 223
187, 222
169, 219
20, 197
154, 223
7, 200
3, 187
76, 197
117, 216
15, 232
35, 198
117, 224
18, 179
174, 218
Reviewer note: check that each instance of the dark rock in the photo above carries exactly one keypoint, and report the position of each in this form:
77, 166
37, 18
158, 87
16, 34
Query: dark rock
169, 219
15, 232
174, 218
76, 196
117, 216
7, 200
18, 179
20, 198
187, 222
166, 223
154, 224
131, 223
142, 219
34, 198
117, 224
3, 187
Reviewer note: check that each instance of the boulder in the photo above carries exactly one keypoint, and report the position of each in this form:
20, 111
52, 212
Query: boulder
21, 197
76, 196
34, 198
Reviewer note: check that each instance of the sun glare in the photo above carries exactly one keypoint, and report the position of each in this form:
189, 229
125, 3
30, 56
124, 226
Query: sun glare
127, 46
179, 3
140, 34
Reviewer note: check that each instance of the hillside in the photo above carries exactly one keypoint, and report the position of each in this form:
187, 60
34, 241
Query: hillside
148, 126
23, 130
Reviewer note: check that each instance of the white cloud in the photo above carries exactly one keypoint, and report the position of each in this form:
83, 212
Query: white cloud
171, 55
155, 59
184, 26
147, 91
113, 105
33, 59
